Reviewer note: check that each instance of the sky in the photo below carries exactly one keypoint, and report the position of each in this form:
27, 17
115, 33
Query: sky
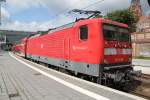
41, 15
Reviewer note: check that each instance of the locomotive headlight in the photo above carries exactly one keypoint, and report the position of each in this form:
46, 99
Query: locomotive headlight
110, 51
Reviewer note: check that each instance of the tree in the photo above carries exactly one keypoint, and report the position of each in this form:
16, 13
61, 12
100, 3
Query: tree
123, 16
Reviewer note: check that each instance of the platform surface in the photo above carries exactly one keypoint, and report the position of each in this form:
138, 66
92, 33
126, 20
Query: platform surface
24, 80
141, 64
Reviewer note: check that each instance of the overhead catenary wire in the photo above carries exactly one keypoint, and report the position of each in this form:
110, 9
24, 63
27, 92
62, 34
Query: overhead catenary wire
95, 3
70, 7
63, 13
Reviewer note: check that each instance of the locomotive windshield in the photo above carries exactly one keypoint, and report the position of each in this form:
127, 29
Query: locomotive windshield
115, 33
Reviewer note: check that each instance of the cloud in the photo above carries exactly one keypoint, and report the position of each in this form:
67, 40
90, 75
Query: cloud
55, 7
23, 4
52, 5
35, 26
58, 7
61, 5
111, 5
21, 26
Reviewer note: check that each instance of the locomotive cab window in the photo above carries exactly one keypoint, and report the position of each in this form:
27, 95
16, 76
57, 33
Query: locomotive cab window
116, 33
83, 33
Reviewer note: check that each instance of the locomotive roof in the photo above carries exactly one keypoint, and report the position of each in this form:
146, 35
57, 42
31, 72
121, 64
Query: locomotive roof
69, 25
39, 33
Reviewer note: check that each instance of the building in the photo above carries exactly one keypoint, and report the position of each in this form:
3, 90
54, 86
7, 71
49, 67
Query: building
136, 8
8, 38
141, 44
143, 25
140, 38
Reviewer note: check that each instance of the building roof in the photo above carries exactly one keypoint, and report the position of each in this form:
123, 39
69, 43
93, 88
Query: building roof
13, 36
9, 32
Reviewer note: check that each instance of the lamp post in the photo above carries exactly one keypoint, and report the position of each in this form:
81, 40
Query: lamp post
0, 10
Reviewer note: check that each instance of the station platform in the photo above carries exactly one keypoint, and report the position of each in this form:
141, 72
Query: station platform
21, 79
141, 62
143, 65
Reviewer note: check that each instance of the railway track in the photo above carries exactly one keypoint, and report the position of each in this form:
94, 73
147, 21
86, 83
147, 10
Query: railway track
144, 79
146, 76
143, 86
141, 95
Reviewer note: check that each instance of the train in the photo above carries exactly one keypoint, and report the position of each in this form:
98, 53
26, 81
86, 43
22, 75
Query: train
97, 48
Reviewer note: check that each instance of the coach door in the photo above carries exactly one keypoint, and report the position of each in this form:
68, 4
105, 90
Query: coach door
67, 50
82, 44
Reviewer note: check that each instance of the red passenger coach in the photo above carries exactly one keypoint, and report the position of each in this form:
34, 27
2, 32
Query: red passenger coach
17, 48
20, 48
97, 47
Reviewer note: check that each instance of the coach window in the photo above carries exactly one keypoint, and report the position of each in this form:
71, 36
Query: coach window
83, 33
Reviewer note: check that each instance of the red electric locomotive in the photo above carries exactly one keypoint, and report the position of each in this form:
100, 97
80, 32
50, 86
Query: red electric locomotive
98, 48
